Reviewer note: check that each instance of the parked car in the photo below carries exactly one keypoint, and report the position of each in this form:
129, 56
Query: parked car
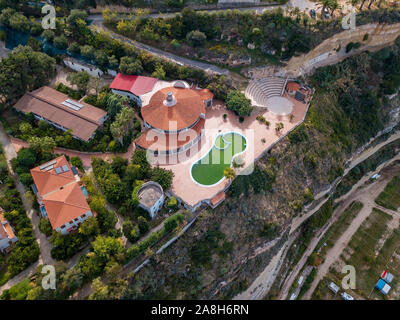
312, 13
346, 296
326, 13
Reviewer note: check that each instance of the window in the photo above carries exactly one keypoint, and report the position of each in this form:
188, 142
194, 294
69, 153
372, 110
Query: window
63, 226
76, 219
84, 215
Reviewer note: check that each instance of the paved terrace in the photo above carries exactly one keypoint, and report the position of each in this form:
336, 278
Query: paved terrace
183, 185
188, 190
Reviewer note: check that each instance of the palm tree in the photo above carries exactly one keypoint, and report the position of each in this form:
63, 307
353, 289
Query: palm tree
229, 173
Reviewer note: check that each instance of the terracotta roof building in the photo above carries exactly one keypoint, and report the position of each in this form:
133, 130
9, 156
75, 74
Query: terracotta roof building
63, 112
7, 235
174, 117
62, 200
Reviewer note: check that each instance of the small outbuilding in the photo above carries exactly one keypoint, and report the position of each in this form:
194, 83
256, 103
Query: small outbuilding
151, 197
387, 276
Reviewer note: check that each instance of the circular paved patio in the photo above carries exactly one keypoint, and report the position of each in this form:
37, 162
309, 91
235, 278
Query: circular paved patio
279, 105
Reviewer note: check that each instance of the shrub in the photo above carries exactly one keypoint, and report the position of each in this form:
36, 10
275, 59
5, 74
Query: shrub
77, 162
238, 103
196, 38
172, 204
143, 225
45, 227
26, 179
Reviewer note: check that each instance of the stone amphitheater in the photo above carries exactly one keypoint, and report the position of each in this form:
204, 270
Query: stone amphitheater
268, 93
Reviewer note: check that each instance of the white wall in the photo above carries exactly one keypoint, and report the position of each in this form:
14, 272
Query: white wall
92, 70
129, 95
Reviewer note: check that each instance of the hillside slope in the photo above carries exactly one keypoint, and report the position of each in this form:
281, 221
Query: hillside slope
217, 257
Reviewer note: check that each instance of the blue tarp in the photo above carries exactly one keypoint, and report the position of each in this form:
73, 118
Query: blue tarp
380, 284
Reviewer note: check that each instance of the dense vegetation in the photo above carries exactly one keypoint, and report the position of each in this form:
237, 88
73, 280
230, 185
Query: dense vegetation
261, 205
26, 251
234, 37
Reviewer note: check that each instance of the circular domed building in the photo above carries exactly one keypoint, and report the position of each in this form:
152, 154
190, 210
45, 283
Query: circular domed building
174, 118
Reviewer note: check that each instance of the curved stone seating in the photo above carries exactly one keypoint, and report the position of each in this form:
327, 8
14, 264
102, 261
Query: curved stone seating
259, 91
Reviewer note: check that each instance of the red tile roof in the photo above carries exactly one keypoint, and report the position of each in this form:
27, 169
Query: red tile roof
137, 85
65, 205
60, 193
157, 141
48, 181
47, 103
189, 105
292, 86
5, 228
218, 198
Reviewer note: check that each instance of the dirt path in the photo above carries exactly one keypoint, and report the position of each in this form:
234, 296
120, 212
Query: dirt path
366, 196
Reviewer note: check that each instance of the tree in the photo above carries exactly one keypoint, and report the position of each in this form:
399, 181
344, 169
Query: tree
90, 227
143, 225
163, 176
159, 72
196, 38
76, 15
113, 62
24, 70
42, 145
88, 52
122, 124
95, 84
19, 22
77, 162
101, 58
35, 44
172, 222
139, 157
60, 42
74, 48
130, 66
118, 165
229, 173
48, 35
26, 179
26, 158
45, 226
238, 103
80, 79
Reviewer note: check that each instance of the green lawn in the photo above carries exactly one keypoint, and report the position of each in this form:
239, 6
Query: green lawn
390, 197
210, 169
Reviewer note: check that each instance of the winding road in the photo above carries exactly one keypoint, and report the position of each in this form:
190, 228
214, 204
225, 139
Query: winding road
97, 23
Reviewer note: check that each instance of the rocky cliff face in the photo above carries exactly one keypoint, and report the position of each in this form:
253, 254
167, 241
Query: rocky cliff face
371, 37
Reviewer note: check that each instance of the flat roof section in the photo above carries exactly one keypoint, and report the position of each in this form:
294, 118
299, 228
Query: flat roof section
149, 194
